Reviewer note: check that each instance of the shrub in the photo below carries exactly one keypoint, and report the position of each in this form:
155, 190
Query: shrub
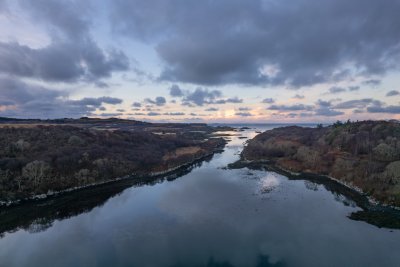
384, 152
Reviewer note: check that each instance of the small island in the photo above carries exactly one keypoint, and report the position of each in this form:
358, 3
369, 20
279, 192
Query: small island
363, 155
39, 158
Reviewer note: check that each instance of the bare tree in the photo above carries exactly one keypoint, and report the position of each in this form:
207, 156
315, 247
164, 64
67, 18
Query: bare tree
36, 171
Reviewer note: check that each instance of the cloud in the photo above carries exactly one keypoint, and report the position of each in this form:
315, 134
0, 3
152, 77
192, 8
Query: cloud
327, 112
61, 62
115, 114
174, 113
175, 91
297, 96
268, 101
229, 100
358, 103
250, 36
40, 102
388, 109
211, 109
393, 93
372, 82
151, 114
96, 102
72, 54
322, 108
324, 103
295, 107
354, 88
243, 114
136, 104
336, 90
202, 96
158, 101
244, 109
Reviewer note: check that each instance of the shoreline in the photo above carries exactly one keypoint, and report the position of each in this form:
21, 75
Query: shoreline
151, 175
372, 203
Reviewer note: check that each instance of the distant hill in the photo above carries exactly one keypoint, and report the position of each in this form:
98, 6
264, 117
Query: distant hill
70, 120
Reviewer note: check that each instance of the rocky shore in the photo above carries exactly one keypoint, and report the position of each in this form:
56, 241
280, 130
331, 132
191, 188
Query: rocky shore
362, 155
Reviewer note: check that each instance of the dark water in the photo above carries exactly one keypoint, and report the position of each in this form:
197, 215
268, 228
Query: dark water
208, 217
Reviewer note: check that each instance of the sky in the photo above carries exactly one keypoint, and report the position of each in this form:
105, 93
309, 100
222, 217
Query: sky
231, 61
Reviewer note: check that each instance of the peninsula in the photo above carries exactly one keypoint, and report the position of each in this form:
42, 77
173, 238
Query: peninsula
40, 157
364, 155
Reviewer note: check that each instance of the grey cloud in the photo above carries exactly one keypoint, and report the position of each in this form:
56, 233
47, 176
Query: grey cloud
244, 109
336, 90
136, 104
305, 114
61, 61
3, 6
211, 109
115, 114
249, 35
195, 114
354, 88
324, 103
296, 107
6, 103
158, 101
388, 109
268, 101
72, 23
372, 82
153, 113
297, 96
201, 96
328, 112
175, 91
243, 114
71, 56
322, 108
358, 103
33, 101
393, 93
174, 114
229, 100
96, 102
21, 93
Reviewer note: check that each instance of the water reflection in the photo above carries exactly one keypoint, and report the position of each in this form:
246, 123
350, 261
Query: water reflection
269, 183
39, 215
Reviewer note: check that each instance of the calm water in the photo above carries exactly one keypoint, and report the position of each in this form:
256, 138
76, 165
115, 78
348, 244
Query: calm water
208, 217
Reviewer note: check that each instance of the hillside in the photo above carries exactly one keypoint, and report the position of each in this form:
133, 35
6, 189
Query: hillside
365, 155
42, 158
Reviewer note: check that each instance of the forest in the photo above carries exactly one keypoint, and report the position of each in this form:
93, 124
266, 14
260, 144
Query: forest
41, 159
365, 155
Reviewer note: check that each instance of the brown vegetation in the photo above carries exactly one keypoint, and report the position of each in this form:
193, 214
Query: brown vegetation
363, 154
39, 159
